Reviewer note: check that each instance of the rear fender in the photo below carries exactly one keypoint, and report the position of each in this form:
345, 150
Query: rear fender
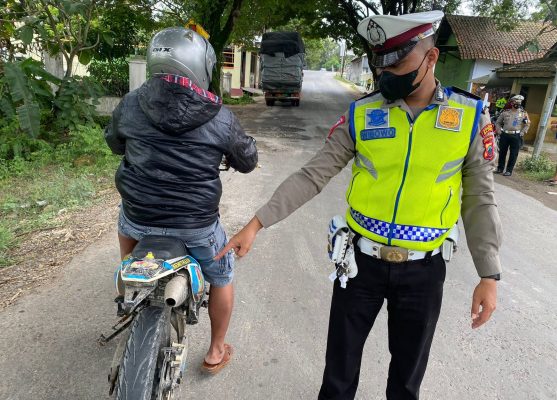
197, 281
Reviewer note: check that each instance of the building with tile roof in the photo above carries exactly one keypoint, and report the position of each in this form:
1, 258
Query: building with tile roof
473, 47
536, 80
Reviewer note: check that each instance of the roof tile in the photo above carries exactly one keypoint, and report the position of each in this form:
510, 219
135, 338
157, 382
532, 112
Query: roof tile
479, 38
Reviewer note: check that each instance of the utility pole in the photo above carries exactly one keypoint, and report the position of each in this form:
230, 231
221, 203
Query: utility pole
342, 56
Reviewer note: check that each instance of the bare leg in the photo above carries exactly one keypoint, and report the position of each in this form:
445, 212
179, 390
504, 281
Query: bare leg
126, 245
221, 301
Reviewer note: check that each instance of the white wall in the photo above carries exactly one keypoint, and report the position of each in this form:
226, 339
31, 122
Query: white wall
482, 68
356, 70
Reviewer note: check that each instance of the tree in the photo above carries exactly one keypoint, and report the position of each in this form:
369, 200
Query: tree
128, 26
63, 27
340, 18
229, 21
322, 53
505, 13
11, 11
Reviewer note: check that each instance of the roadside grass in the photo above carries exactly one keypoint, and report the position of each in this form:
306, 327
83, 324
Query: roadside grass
537, 169
6, 238
57, 179
245, 99
346, 81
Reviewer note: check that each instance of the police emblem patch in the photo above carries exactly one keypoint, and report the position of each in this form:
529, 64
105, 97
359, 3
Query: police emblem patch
449, 118
375, 34
489, 145
377, 118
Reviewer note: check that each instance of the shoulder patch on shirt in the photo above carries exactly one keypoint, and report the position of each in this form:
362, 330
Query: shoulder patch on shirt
487, 130
489, 145
487, 134
341, 121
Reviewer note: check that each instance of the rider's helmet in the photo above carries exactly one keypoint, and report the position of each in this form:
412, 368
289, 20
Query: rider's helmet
183, 52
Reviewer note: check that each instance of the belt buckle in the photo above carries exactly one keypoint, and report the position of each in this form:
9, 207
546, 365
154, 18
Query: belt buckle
394, 254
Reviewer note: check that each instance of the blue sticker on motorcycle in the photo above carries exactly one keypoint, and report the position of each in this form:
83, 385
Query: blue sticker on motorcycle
379, 133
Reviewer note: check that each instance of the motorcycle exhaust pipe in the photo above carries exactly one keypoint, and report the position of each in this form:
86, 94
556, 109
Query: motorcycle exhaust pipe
176, 291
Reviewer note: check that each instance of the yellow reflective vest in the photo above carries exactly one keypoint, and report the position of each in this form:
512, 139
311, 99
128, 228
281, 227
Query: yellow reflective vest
407, 175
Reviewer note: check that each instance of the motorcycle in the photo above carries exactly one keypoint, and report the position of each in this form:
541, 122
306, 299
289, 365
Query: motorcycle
162, 290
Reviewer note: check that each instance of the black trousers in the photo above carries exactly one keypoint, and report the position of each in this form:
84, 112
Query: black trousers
506, 141
414, 291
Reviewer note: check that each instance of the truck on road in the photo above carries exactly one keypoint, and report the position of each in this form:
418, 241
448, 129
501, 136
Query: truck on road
282, 67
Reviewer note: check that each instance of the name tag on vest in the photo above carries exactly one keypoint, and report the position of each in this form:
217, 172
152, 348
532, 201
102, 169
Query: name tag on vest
379, 133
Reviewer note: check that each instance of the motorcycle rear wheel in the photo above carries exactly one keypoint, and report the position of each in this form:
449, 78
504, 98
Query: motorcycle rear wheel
140, 371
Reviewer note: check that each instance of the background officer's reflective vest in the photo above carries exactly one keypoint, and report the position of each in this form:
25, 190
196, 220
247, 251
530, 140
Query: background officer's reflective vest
407, 176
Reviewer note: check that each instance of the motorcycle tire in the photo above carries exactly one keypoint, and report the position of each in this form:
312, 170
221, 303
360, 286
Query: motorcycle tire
139, 374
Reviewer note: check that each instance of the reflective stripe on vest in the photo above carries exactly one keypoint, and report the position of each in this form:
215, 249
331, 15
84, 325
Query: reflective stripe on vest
407, 175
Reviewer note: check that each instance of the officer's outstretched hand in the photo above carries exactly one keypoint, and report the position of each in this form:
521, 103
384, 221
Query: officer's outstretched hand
242, 241
485, 296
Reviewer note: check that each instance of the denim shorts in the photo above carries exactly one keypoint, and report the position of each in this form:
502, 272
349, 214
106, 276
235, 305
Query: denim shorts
203, 244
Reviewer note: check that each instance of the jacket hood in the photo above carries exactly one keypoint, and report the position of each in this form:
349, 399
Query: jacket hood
176, 109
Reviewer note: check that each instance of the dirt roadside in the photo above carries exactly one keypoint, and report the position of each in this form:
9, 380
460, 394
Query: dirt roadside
41, 255
540, 191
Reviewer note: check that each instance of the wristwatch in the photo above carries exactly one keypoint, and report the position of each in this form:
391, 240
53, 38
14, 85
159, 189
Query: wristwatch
496, 277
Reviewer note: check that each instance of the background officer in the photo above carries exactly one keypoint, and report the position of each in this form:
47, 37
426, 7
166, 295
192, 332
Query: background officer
512, 125
415, 145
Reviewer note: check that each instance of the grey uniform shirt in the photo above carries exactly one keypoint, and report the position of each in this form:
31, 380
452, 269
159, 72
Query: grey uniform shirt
479, 209
513, 120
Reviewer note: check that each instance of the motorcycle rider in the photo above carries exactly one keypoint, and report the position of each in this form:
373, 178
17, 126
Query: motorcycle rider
173, 134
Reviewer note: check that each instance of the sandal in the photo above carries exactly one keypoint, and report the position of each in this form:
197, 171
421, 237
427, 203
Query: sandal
216, 368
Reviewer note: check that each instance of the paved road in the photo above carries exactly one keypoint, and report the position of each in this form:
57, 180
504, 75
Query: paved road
47, 340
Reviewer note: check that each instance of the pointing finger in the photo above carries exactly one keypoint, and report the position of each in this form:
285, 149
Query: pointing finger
225, 250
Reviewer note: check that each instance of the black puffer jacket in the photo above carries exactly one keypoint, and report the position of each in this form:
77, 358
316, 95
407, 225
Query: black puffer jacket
173, 140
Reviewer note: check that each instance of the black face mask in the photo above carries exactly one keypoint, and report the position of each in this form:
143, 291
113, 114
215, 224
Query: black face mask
394, 87
516, 105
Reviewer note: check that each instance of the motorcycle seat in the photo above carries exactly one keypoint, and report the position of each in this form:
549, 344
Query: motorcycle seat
162, 247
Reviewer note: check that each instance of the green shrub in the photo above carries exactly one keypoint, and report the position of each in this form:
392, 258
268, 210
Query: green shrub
24, 92
112, 74
538, 168
102, 120
75, 102
245, 99
15, 144
83, 147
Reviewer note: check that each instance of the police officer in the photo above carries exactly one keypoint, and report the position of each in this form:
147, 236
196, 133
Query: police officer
415, 145
512, 125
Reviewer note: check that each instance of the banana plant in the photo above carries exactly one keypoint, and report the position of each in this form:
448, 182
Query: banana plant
24, 91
